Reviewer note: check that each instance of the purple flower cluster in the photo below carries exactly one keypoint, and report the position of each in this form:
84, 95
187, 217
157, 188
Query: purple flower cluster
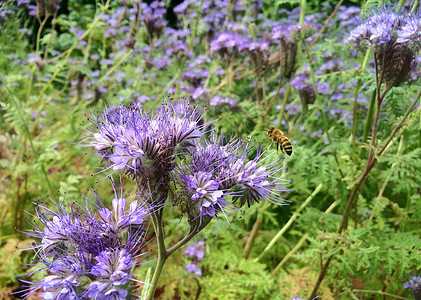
168, 147
196, 252
415, 285
395, 39
223, 101
217, 170
228, 44
143, 144
87, 256
153, 18
387, 27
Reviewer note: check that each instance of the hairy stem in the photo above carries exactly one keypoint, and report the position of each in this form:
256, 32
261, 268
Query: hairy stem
192, 232
162, 257
354, 115
368, 120
251, 238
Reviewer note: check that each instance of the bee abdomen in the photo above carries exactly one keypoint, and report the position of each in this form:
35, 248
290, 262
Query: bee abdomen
286, 145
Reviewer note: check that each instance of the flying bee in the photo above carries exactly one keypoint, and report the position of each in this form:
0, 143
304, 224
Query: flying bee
276, 135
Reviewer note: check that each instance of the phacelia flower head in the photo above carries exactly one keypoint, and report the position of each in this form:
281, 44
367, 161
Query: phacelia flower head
153, 18
143, 143
395, 39
84, 254
218, 171
228, 44
259, 56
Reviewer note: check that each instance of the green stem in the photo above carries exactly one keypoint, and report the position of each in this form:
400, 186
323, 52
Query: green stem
251, 238
354, 116
303, 6
162, 257
114, 67
289, 254
300, 242
290, 221
414, 7
368, 120
401, 3
326, 23
192, 232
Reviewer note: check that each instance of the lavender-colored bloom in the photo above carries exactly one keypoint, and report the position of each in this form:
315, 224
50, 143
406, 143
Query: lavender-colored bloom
25, 31
207, 191
76, 245
228, 44
141, 144
163, 62
192, 268
216, 170
395, 38
259, 56
95, 73
415, 285
152, 17
323, 88
318, 134
106, 61
196, 250
222, 101
113, 267
410, 33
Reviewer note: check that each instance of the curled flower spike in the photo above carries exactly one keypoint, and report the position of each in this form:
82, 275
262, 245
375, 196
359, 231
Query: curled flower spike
395, 39
228, 44
216, 172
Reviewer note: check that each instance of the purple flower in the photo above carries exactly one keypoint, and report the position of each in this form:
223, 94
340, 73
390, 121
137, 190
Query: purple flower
192, 268
220, 101
395, 39
76, 245
95, 73
142, 143
153, 18
113, 268
228, 44
410, 33
196, 250
415, 285
219, 169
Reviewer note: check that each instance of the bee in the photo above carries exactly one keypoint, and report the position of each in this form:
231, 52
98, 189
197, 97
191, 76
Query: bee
276, 135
